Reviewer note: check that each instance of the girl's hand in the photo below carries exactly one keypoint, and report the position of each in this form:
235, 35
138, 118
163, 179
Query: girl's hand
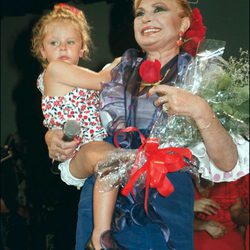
58, 149
110, 66
105, 73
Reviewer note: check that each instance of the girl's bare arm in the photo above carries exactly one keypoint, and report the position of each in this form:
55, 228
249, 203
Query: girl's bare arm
59, 74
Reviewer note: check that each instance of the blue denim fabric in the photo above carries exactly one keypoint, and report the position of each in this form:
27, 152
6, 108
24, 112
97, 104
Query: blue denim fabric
176, 211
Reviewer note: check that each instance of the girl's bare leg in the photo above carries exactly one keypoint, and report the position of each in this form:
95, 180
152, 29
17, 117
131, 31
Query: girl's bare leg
103, 203
83, 165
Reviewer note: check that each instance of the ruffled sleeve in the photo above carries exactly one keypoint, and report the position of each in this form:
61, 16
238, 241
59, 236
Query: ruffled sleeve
112, 96
209, 171
40, 84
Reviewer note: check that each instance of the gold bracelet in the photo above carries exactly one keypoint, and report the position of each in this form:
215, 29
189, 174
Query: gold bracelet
209, 124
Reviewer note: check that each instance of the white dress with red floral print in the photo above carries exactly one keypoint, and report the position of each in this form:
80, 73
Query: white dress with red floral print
79, 104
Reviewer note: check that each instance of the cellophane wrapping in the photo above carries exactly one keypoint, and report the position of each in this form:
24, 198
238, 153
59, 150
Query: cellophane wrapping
223, 84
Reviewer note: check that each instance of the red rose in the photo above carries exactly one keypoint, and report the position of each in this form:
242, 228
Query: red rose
150, 72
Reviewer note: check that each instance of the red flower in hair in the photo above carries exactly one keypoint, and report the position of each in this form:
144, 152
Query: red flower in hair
195, 34
150, 72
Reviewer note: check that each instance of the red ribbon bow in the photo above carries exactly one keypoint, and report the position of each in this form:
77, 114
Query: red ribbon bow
159, 162
67, 6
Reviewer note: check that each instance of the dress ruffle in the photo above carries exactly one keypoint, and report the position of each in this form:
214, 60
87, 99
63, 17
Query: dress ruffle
209, 171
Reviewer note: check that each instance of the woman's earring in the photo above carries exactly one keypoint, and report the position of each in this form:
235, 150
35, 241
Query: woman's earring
180, 40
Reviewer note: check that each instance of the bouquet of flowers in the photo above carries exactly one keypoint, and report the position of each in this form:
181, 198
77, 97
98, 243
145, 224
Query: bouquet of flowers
223, 84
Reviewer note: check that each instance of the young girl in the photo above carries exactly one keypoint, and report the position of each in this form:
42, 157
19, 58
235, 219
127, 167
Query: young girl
60, 39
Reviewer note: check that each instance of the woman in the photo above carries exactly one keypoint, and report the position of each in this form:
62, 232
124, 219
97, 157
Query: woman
159, 27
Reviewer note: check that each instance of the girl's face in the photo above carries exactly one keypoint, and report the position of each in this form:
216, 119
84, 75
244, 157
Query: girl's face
157, 24
62, 41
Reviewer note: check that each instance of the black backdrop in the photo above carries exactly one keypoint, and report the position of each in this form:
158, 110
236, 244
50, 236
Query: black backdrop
52, 204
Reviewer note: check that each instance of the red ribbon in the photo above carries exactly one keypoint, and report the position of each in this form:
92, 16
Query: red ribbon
67, 6
159, 162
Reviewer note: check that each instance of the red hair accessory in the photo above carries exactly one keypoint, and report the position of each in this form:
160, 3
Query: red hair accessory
66, 6
195, 34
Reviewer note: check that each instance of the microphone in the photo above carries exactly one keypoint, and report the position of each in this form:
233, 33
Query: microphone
71, 129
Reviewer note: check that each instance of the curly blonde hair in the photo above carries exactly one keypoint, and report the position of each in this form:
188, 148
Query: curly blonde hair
61, 12
183, 4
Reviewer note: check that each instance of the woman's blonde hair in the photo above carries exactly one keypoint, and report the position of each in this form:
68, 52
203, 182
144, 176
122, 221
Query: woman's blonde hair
61, 12
183, 4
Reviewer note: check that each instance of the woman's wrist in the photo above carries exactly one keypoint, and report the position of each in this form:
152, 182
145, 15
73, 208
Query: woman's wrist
206, 117
200, 225
206, 123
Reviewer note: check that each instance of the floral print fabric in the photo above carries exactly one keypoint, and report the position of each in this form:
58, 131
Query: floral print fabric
79, 104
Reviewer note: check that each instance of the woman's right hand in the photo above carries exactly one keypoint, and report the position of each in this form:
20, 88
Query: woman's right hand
181, 102
58, 149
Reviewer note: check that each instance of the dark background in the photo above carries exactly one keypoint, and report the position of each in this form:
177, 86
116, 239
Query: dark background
52, 205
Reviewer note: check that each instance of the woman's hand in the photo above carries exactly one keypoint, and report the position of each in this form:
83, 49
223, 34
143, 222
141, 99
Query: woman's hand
215, 229
58, 149
206, 206
180, 102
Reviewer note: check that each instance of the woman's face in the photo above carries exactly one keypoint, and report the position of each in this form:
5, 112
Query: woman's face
157, 24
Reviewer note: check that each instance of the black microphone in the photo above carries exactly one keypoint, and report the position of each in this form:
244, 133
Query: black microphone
71, 129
